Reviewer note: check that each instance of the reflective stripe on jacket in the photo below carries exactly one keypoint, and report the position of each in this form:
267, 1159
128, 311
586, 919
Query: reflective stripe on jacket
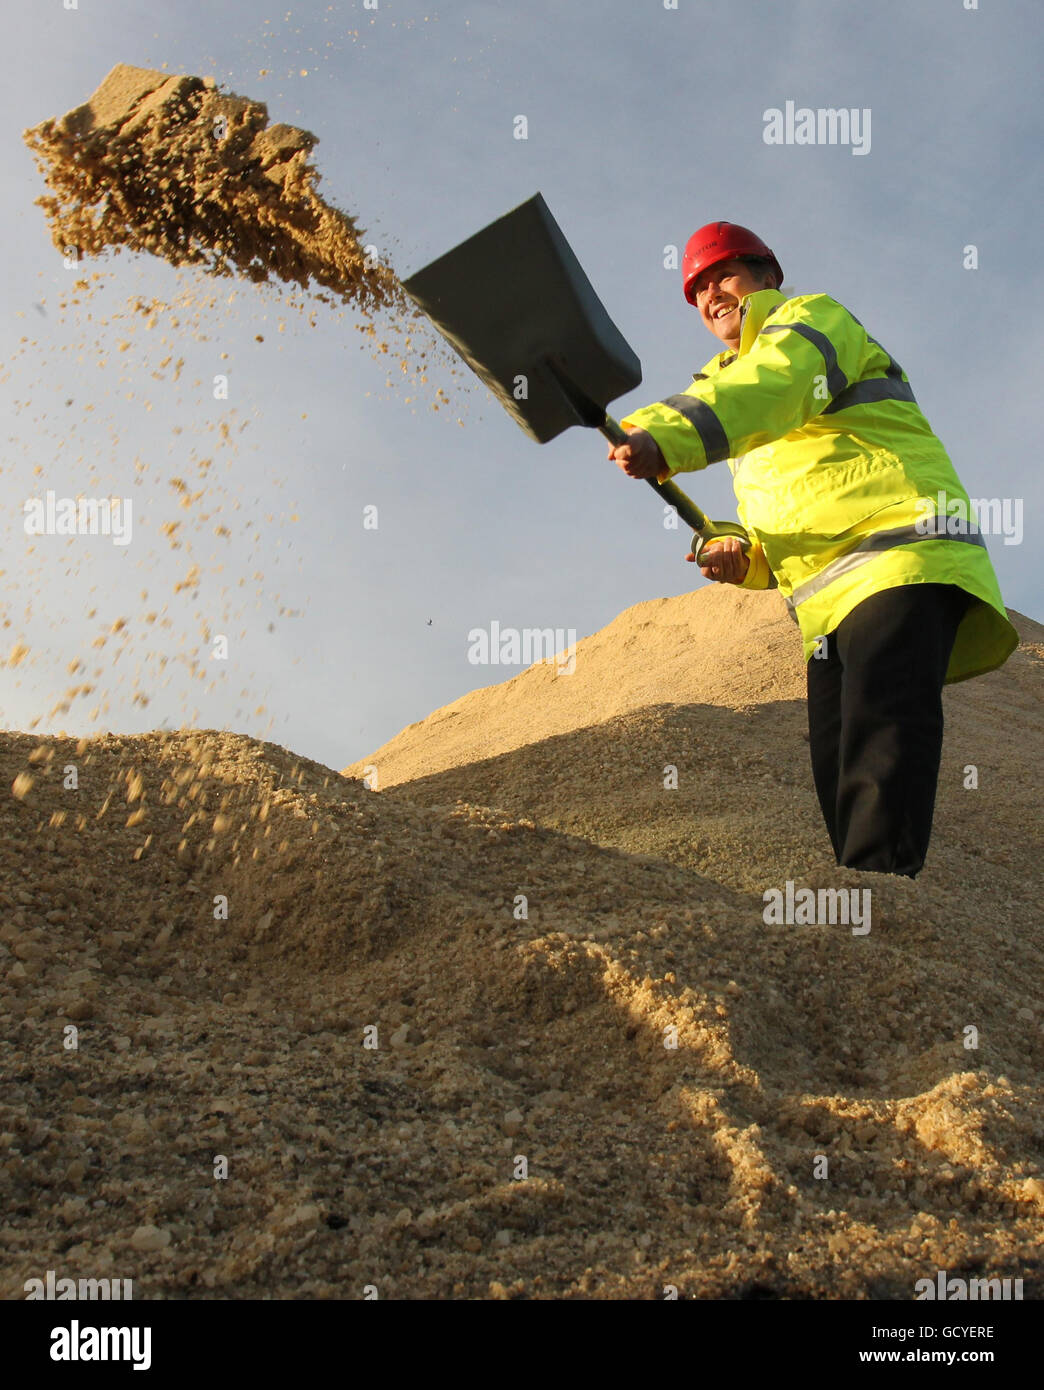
836, 471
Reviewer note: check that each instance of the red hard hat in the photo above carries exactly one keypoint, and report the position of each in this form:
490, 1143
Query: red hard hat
720, 241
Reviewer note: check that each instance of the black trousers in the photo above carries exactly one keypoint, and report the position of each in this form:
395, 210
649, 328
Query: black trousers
875, 724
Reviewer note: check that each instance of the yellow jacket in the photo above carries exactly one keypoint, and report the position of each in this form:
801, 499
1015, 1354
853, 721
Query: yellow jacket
836, 472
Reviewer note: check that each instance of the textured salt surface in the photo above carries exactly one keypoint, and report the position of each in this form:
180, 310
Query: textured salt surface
538, 1037
176, 168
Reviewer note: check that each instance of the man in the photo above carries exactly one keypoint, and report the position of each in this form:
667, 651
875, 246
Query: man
837, 475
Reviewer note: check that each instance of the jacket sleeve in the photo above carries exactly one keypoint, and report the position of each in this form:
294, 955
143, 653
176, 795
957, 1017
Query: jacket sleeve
758, 575
808, 351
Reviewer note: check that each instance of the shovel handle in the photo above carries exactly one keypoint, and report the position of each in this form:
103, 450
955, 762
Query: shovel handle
686, 508
672, 494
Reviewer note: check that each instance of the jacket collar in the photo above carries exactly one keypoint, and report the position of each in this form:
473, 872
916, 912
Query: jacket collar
754, 310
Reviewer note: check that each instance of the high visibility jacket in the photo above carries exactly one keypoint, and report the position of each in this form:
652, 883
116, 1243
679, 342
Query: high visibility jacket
836, 471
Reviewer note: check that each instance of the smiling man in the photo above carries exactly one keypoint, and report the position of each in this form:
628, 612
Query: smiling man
835, 471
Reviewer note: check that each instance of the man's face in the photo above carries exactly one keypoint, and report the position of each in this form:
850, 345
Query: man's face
718, 291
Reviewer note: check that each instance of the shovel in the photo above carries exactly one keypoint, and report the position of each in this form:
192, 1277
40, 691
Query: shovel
514, 302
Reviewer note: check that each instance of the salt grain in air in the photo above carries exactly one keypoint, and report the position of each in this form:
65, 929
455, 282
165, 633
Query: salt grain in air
140, 166
173, 167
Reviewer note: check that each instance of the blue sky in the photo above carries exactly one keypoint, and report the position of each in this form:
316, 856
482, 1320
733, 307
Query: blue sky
643, 123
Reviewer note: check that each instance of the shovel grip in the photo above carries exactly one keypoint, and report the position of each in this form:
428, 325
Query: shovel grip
716, 531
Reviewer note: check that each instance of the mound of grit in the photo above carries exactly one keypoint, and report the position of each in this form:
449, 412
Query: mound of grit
170, 165
221, 923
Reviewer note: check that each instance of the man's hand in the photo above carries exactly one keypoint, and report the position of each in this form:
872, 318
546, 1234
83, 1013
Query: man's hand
724, 561
640, 457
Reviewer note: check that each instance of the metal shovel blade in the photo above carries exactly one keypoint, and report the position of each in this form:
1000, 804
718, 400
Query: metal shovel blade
514, 302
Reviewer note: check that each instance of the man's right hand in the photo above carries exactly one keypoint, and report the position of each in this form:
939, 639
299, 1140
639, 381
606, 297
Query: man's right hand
640, 457
724, 561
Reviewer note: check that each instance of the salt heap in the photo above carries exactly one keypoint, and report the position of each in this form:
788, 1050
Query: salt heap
517, 1027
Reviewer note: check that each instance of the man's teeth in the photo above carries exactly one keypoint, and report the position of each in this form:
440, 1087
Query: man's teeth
727, 309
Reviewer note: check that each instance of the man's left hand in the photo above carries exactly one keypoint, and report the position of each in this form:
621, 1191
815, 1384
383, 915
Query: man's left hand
724, 561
